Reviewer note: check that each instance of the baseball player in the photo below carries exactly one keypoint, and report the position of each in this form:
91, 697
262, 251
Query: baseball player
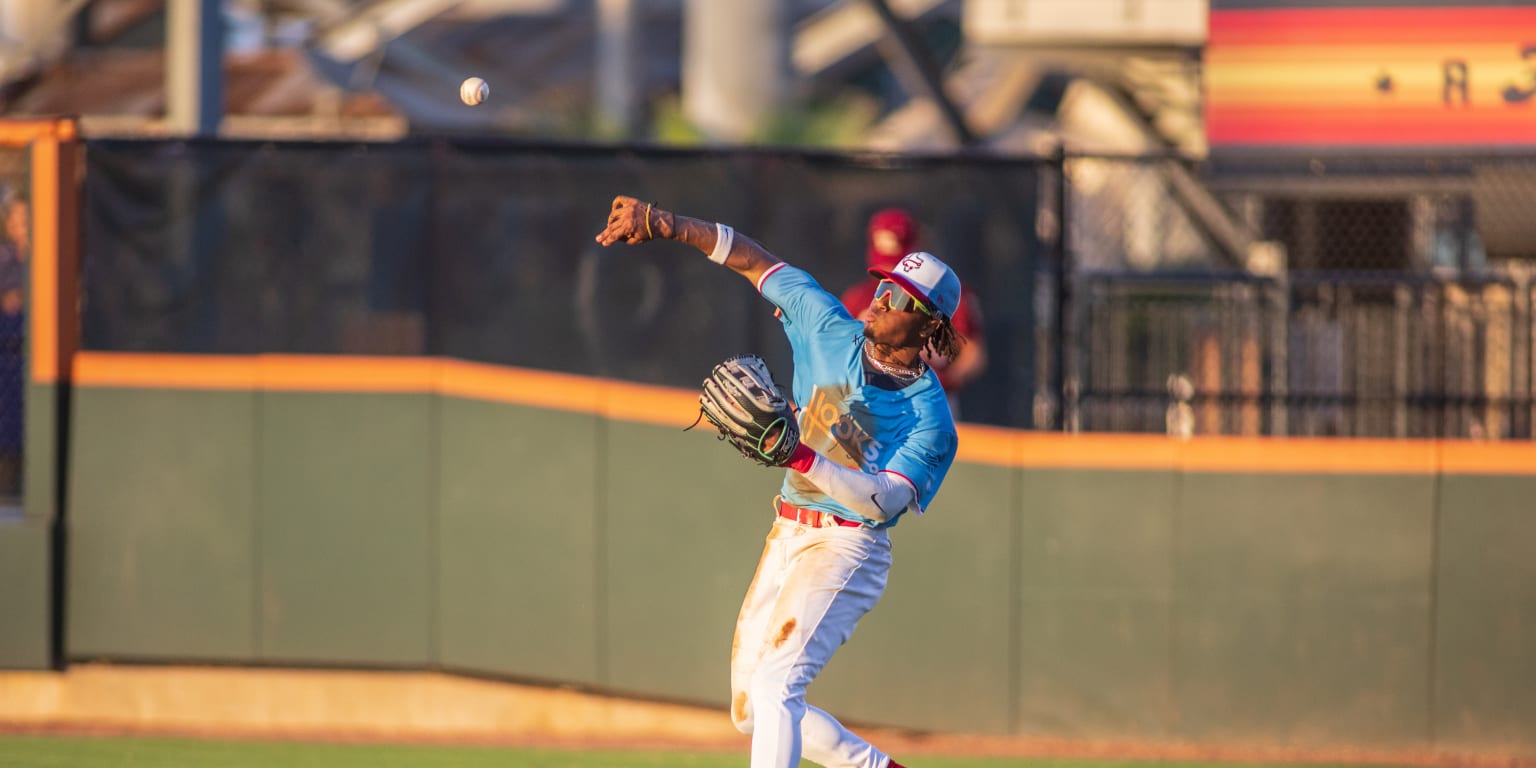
876, 440
891, 234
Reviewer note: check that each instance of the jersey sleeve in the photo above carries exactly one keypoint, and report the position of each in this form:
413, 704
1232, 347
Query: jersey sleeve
806, 306
924, 459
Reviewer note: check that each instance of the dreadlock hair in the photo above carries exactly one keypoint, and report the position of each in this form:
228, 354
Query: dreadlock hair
945, 340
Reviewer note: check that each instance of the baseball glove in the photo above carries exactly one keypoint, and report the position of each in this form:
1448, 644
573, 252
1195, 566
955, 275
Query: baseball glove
742, 401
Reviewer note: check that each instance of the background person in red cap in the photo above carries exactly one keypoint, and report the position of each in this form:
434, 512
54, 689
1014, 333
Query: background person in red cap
892, 234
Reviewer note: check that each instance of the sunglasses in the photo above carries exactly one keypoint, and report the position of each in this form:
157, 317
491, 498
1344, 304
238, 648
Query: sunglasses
898, 299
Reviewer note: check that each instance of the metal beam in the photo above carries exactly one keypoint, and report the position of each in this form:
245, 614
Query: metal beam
194, 66
735, 66
618, 97
921, 59
842, 30
367, 29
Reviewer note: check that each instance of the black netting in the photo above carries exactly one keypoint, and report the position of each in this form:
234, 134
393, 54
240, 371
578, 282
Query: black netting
485, 251
15, 255
1381, 297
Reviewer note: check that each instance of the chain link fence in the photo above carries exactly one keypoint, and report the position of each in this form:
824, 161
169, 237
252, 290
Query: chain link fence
15, 254
1374, 297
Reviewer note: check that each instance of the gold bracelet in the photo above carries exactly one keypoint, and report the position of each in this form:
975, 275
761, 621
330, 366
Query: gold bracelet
648, 234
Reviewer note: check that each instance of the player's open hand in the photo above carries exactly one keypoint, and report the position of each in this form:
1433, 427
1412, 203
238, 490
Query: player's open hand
630, 221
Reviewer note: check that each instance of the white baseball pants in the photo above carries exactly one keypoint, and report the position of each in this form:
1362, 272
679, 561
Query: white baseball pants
812, 587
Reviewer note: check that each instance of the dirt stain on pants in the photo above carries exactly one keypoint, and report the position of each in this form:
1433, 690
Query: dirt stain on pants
784, 633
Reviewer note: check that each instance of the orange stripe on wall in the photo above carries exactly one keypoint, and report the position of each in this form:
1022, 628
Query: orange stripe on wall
1465, 457
989, 445
542, 389
568, 392
649, 404
668, 406
329, 373
153, 371
1256, 455
1309, 455
278, 373
1098, 451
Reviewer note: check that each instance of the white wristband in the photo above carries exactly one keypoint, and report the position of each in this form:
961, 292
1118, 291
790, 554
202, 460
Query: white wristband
724, 238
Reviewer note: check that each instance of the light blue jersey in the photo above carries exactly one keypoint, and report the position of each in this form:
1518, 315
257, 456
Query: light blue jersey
908, 431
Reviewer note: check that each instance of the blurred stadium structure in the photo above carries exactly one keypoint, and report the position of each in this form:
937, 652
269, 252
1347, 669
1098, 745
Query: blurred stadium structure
1290, 290
564, 67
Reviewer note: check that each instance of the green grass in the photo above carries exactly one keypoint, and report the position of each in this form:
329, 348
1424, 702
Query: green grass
116, 752
93, 752
126, 752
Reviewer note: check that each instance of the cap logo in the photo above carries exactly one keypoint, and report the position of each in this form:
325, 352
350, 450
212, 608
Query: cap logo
911, 262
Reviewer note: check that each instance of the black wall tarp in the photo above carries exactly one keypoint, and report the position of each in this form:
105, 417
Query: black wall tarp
484, 251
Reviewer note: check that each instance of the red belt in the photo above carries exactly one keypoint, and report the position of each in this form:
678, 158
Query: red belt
814, 518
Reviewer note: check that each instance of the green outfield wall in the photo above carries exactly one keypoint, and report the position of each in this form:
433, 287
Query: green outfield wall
28, 544
412, 530
517, 543
25, 594
1484, 667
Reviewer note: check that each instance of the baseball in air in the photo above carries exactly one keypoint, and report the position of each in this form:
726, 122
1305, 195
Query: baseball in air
474, 90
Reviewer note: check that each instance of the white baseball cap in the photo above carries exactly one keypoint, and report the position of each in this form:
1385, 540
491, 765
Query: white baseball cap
923, 275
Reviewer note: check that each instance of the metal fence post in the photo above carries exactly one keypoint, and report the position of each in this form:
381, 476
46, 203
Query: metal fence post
1402, 303
1280, 366
1527, 354
1062, 290
1522, 391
